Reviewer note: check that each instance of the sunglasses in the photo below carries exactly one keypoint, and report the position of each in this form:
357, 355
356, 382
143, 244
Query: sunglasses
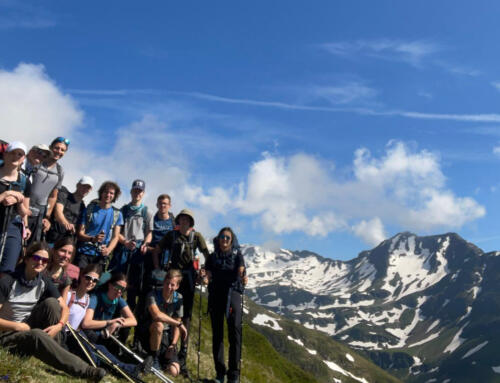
62, 139
42, 153
119, 288
91, 279
225, 237
37, 258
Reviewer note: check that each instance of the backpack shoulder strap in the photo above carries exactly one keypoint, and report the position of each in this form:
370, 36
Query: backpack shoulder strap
59, 172
116, 215
72, 299
90, 210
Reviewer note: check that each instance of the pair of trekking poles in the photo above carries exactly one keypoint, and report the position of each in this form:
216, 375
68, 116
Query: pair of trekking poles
81, 340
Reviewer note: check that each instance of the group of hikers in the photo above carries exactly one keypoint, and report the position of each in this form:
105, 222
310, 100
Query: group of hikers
76, 278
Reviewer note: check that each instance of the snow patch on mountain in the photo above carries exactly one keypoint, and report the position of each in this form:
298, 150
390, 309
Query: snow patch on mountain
475, 349
335, 367
349, 357
428, 339
298, 341
456, 341
266, 320
433, 324
496, 369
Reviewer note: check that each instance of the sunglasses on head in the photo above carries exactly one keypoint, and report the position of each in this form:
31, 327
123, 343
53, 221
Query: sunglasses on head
91, 279
119, 288
37, 258
61, 139
225, 237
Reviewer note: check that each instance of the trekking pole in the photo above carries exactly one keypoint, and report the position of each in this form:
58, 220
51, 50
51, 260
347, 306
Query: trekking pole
103, 357
5, 225
199, 336
155, 371
81, 345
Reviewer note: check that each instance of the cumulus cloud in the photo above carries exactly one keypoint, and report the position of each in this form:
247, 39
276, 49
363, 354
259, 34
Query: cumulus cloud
402, 187
32, 107
371, 231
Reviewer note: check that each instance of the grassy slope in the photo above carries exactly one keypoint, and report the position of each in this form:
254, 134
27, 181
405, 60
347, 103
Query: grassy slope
261, 362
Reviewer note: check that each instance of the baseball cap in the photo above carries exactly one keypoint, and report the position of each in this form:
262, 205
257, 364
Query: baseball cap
43, 147
86, 180
16, 145
139, 184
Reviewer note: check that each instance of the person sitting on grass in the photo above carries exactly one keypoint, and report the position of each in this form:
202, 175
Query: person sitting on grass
32, 314
101, 318
78, 300
164, 324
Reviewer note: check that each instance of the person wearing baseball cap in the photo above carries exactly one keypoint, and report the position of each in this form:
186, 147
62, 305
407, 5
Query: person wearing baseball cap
69, 207
138, 222
14, 200
36, 155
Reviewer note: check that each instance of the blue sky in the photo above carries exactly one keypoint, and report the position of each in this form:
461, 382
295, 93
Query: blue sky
325, 126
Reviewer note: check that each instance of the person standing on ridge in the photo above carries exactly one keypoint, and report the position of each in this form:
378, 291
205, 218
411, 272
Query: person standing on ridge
15, 190
99, 229
46, 179
182, 244
68, 210
128, 258
226, 279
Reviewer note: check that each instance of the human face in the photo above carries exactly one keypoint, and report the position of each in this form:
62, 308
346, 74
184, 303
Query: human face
58, 150
137, 195
108, 195
90, 280
83, 190
36, 156
38, 261
184, 222
170, 285
116, 289
225, 240
163, 205
14, 157
63, 255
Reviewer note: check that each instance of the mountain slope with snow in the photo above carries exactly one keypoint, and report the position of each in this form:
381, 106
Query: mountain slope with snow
431, 299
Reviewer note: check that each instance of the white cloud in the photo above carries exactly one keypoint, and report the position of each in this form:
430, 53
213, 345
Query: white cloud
20, 14
412, 52
496, 151
343, 94
32, 107
403, 188
372, 231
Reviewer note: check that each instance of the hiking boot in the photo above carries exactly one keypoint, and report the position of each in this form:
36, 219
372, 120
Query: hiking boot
94, 374
220, 378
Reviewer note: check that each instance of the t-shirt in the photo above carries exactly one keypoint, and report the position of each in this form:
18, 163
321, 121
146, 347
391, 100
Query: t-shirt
161, 227
173, 309
61, 281
105, 308
101, 220
78, 309
134, 227
43, 181
18, 300
72, 210
16, 186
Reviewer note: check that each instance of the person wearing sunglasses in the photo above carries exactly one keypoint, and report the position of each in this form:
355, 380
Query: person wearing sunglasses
46, 180
36, 155
108, 312
225, 276
32, 314
78, 301
15, 190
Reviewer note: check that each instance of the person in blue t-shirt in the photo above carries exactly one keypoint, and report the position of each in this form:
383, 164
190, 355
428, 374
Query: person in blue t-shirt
99, 228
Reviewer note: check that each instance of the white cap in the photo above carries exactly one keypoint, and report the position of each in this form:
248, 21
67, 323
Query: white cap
43, 147
86, 180
17, 145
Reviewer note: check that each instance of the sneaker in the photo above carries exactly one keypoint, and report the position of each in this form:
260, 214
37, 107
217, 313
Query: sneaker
94, 374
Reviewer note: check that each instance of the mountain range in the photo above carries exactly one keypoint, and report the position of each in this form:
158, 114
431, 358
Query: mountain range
426, 309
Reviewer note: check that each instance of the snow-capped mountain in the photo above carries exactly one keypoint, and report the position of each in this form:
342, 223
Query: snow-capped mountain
414, 304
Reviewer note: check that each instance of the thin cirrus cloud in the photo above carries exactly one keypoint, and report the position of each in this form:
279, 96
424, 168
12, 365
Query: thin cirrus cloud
301, 193
18, 14
411, 52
